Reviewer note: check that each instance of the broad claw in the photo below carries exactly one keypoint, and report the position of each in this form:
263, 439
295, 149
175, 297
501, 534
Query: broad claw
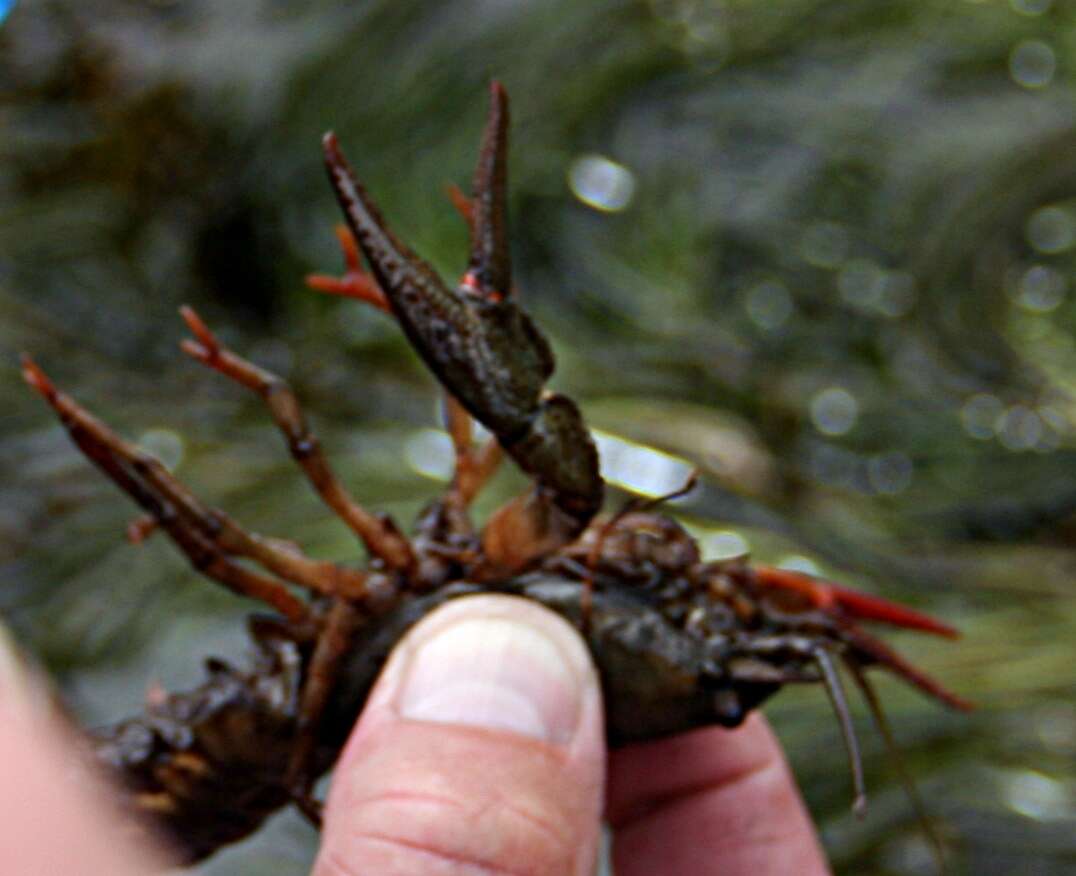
479, 344
848, 606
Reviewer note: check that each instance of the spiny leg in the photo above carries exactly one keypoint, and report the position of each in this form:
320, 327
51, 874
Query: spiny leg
334, 643
355, 283
445, 532
194, 530
836, 599
380, 536
462, 203
283, 559
473, 466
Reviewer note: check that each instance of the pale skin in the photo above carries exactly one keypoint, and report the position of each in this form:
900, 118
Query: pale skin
480, 753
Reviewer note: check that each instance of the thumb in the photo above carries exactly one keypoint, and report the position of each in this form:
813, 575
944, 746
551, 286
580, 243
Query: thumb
481, 749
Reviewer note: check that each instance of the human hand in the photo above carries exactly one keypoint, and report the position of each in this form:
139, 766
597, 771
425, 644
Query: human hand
481, 750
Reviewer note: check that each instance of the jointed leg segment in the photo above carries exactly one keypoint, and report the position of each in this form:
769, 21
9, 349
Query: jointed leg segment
380, 536
355, 283
207, 537
474, 466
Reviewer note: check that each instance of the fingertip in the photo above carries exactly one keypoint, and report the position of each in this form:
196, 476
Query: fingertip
680, 804
482, 743
58, 814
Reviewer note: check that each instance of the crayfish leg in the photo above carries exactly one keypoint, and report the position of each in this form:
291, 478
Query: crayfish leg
355, 282
207, 537
462, 203
380, 536
473, 466
526, 528
334, 643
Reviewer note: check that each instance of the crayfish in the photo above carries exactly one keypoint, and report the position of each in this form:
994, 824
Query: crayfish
679, 642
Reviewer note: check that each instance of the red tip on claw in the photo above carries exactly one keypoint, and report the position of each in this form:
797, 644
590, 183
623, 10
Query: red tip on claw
828, 596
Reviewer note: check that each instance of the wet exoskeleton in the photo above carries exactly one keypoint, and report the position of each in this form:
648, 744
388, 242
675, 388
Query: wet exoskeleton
679, 642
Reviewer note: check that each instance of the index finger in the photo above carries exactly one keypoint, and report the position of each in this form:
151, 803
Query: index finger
710, 801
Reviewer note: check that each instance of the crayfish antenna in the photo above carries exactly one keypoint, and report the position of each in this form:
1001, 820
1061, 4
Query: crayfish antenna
832, 680
906, 780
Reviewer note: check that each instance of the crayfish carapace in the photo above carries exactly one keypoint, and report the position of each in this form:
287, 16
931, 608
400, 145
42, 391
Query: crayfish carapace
679, 642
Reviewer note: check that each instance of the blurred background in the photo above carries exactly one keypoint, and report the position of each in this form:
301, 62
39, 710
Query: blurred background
824, 250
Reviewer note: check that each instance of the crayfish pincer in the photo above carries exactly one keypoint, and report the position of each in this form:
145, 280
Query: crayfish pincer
679, 642
483, 348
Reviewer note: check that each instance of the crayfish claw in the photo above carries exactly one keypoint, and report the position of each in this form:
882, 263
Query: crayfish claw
415, 293
485, 351
875, 650
489, 272
835, 599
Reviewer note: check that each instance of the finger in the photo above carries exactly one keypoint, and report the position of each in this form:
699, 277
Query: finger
710, 801
480, 750
54, 819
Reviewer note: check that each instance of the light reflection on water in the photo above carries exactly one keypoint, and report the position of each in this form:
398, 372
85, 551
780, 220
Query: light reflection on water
1032, 63
1037, 796
834, 411
769, 304
166, 444
1051, 229
722, 544
1041, 289
627, 464
429, 452
799, 563
638, 468
601, 183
